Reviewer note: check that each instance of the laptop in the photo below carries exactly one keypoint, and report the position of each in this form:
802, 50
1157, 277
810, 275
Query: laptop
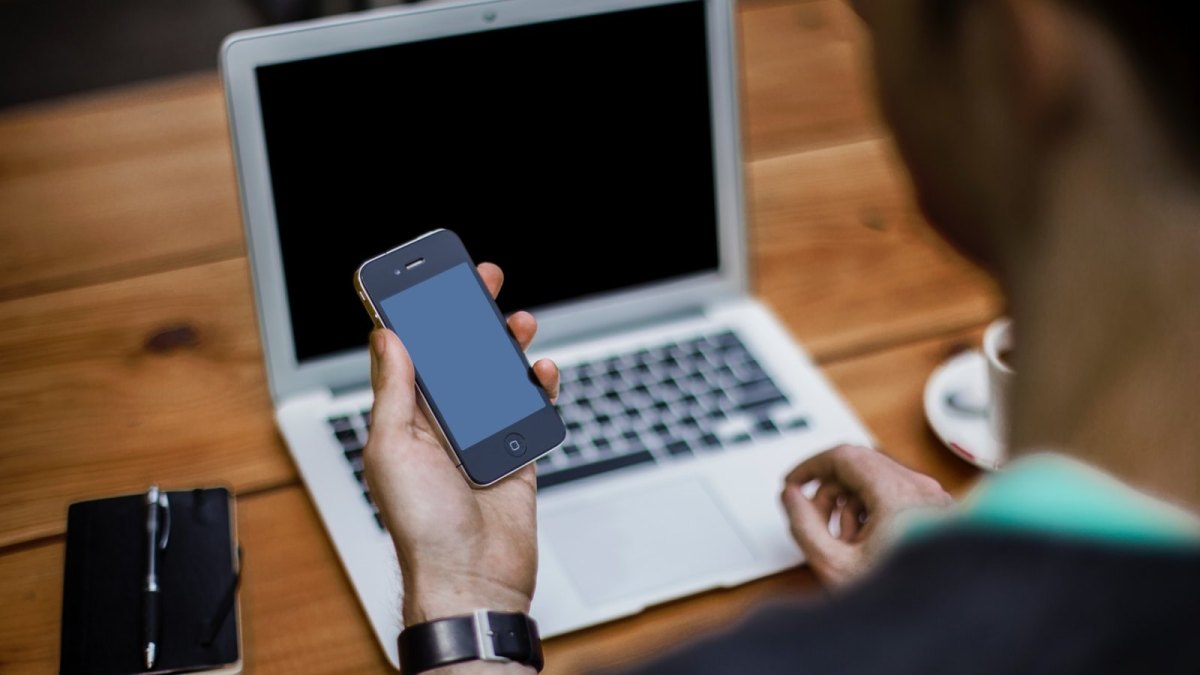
591, 149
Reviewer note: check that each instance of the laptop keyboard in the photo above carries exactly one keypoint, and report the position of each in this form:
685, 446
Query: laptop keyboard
658, 404
351, 431
664, 403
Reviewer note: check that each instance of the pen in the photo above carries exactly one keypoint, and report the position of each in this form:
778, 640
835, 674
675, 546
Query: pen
155, 501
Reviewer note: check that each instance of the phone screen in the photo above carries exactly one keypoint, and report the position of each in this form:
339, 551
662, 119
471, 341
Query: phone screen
463, 355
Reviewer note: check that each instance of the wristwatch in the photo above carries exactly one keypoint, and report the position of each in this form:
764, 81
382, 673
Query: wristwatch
480, 636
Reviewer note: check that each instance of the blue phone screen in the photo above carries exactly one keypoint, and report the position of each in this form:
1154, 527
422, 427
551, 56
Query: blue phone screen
463, 355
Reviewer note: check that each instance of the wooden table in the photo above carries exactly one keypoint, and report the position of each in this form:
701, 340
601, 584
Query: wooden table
129, 354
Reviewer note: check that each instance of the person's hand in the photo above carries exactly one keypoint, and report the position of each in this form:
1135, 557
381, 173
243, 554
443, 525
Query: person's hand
864, 489
459, 548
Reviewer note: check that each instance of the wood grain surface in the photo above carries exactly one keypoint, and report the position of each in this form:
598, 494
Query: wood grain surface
116, 185
804, 77
129, 351
110, 387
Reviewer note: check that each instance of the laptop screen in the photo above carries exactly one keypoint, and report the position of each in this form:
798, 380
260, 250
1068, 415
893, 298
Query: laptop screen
576, 154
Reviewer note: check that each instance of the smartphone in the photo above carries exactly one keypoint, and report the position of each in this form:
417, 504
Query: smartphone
474, 381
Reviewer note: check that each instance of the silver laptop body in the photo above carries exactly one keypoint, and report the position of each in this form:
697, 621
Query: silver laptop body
592, 149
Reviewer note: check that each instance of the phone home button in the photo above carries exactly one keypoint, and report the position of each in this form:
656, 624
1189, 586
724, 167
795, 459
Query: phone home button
515, 444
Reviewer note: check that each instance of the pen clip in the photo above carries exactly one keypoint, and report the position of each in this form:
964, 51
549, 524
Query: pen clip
165, 505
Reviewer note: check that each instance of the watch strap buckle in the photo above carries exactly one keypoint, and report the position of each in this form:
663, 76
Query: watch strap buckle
485, 637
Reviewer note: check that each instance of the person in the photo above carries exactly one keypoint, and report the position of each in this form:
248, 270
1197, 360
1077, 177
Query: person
1055, 142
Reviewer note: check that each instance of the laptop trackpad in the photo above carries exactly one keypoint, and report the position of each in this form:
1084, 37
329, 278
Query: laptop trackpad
644, 540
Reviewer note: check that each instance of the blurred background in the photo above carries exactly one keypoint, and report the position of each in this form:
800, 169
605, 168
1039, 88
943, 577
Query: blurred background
51, 48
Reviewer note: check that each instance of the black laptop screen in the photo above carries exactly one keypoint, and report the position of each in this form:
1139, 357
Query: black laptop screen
577, 154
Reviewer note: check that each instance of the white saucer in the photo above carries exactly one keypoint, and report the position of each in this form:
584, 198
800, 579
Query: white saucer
957, 406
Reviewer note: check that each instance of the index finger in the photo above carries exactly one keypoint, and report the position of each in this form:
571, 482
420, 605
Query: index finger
492, 275
842, 464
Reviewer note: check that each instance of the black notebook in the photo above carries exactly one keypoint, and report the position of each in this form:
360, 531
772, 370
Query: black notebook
105, 572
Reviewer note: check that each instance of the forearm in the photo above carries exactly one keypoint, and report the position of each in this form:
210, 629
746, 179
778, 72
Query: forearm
424, 602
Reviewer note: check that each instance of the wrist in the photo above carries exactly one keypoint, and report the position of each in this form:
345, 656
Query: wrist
429, 600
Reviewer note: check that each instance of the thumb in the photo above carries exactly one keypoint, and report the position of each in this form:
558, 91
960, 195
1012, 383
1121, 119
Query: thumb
393, 379
809, 527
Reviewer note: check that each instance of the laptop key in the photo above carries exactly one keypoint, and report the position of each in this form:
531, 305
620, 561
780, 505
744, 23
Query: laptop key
570, 450
752, 372
679, 448
759, 407
340, 423
581, 471
760, 397
753, 382
727, 339
348, 439
710, 440
766, 426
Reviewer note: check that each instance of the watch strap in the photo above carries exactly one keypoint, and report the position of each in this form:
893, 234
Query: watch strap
480, 636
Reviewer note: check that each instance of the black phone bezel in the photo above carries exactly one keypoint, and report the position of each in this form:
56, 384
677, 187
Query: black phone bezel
488, 460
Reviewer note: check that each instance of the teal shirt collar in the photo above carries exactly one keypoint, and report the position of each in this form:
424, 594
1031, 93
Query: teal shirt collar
1056, 494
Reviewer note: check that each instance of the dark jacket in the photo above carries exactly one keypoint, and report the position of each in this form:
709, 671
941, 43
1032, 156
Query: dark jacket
975, 602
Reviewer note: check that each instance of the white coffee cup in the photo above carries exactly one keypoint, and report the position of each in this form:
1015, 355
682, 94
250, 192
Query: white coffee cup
997, 344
